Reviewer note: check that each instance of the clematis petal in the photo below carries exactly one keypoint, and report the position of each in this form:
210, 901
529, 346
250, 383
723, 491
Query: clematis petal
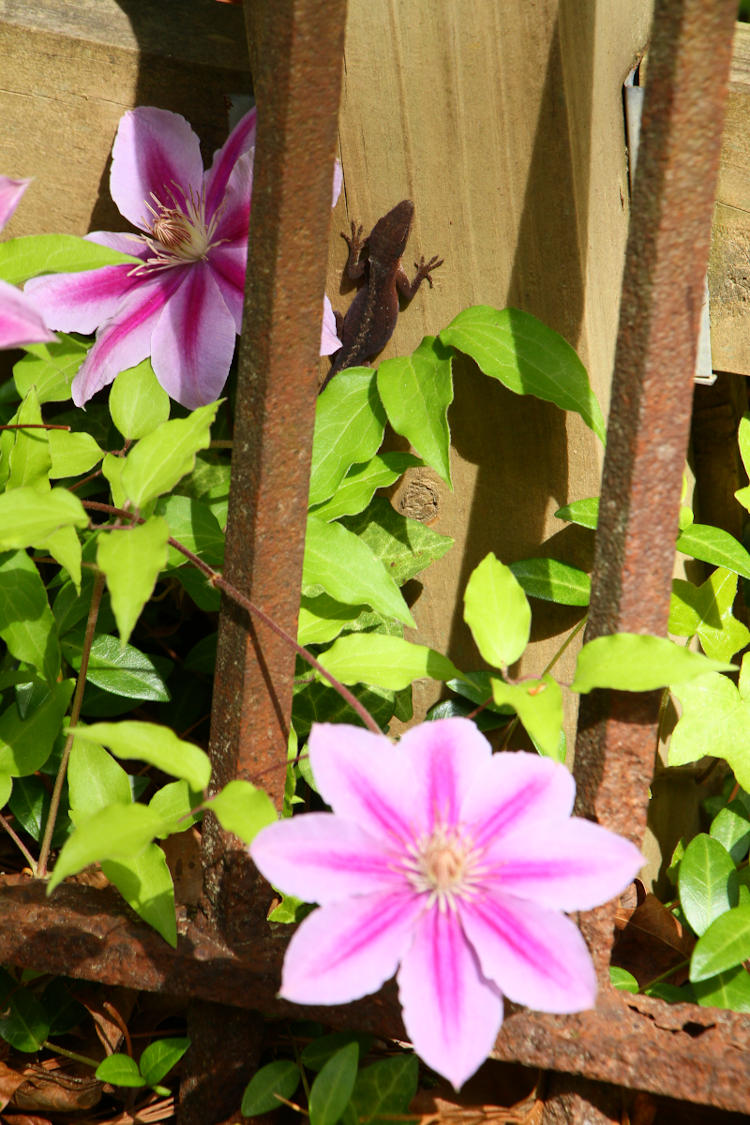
323, 858
10, 196
154, 151
446, 756
133, 244
193, 341
451, 1013
329, 341
126, 339
535, 956
364, 778
338, 181
229, 266
80, 302
240, 140
575, 865
348, 949
517, 792
20, 322
233, 218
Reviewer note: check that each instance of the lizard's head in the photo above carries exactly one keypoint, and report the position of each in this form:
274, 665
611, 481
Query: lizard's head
390, 234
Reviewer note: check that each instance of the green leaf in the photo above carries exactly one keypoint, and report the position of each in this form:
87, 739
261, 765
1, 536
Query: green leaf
72, 453
28, 517
243, 809
385, 1089
65, 548
538, 704
120, 670
34, 254
318, 1051
194, 525
726, 990
622, 979
731, 827
389, 662
132, 559
553, 581
6, 788
358, 487
157, 745
707, 611
26, 1026
115, 832
51, 368
159, 1058
112, 470
161, 458
137, 401
332, 1088
321, 618
175, 803
527, 357
403, 545
715, 720
716, 546
26, 740
743, 440
416, 391
638, 662
347, 569
280, 1077
349, 426
497, 612
145, 882
119, 1070
725, 943
26, 622
29, 457
707, 882
583, 512
95, 780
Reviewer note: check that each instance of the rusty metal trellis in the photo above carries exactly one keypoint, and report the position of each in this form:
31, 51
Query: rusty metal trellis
685, 1052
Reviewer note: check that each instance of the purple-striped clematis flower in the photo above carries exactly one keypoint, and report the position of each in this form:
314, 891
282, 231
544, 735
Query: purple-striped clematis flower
450, 865
183, 304
20, 321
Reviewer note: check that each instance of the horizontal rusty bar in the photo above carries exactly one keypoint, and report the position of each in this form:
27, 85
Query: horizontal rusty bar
682, 1051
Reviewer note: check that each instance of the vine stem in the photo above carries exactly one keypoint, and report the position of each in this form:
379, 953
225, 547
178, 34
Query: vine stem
19, 844
75, 711
254, 610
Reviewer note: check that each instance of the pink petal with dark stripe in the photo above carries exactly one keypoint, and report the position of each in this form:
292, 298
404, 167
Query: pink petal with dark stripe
154, 151
241, 140
20, 322
517, 792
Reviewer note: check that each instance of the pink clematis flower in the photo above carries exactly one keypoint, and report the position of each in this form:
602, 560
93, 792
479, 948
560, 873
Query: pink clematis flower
20, 322
451, 865
183, 304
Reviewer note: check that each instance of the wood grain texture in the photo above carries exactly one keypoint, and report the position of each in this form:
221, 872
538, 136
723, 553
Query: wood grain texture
503, 121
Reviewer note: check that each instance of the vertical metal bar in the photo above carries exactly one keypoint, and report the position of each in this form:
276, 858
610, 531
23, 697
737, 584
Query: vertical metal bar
296, 51
667, 253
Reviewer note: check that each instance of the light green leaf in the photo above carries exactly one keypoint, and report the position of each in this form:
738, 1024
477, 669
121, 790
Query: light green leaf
731, 827
26, 622
638, 662
158, 1058
65, 548
243, 809
50, 368
119, 1070
95, 780
715, 720
538, 704
743, 440
194, 525
553, 581
72, 453
29, 456
6, 788
716, 546
280, 1077
349, 426
388, 662
359, 485
322, 618
725, 943
26, 740
34, 254
157, 745
527, 357
132, 559
161, 458
416, 391
346, 568
583, 512
333, 1085
707, 882
145, 882
174, 803
622, 979
403, 545
384, 1090
115, 832
28, 517
707, 611
121, 670
137, 401
112, 470
726, 990
497, 612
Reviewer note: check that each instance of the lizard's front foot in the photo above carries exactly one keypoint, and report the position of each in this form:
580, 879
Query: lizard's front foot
424, 269
356, 242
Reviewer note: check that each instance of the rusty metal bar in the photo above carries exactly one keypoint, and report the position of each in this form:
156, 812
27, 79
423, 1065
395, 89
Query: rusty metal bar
296, 51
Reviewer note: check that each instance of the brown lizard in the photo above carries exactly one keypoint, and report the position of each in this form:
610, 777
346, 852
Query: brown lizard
372, 315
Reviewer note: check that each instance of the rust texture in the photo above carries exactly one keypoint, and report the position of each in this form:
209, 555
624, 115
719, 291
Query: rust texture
663, 284
296, 52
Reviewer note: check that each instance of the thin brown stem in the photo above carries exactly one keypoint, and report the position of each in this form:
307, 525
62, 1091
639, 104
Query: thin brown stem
5, 824
33, 426
75, 711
